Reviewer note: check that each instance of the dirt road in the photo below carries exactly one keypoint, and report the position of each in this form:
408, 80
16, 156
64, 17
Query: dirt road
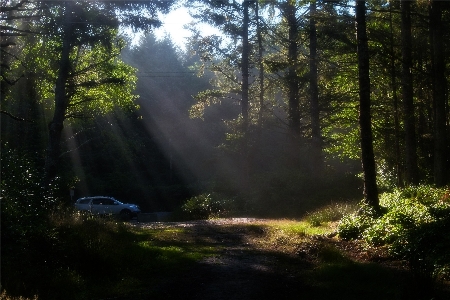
239, 272
243, 270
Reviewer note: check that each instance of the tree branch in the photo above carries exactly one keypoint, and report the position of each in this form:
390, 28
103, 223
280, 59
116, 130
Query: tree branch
81, 145
15, 7
15, 117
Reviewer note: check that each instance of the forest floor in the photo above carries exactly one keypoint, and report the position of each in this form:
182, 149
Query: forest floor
254, 265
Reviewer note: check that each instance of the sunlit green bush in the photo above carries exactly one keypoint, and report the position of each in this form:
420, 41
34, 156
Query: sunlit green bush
352, 226
329, 213
414, 225
205, 206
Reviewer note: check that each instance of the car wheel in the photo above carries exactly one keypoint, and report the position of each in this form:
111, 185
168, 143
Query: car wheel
125, 215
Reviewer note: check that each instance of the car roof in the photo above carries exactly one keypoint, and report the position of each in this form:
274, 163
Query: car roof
96, 197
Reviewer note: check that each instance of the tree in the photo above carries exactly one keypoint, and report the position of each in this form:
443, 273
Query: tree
289, 10
231, 58
245, 90
314, 88
398, 159
407, 92
365, 124
439, 92
10, 14
73, 28
260, 66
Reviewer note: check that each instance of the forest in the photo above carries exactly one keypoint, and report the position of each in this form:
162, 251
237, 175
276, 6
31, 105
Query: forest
294, 106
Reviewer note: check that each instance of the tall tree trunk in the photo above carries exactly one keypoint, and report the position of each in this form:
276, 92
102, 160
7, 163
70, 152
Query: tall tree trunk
411, 171
56, 125
293, 85
439, 88
244, 67
244, 100
261, 69
398, 157
365, 123
314, 89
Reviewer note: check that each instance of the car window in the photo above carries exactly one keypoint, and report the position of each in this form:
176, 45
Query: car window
108, 201
84, 201
97, 201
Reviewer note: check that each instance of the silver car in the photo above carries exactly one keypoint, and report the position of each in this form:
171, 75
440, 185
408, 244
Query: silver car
100, 205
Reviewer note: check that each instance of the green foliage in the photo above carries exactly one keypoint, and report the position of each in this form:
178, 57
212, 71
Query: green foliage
27, 237
414, 227
98, 83
353, 225
78, 257
330, 213
206, 206
205, 99
24, 203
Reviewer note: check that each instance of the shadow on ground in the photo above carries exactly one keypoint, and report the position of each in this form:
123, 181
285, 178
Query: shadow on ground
242, 271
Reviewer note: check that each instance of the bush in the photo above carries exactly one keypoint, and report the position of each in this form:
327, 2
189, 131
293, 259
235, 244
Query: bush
426, 245
205, 206
29, 240
4, 295
352, 226
414, 227
329, 213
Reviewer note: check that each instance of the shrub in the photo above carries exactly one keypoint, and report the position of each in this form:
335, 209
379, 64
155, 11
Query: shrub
4, 295
205, 206
329, 213
426, 245
352, 226
414, 227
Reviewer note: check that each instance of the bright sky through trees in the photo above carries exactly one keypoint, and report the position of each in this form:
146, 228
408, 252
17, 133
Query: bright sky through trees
173, 25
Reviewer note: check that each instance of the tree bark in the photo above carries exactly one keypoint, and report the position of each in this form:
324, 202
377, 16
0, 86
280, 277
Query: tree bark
411, 169
244, 67
56, 125
398, 156
314, 89
293, 85
261, 69
244, 100
439, 91
365, 123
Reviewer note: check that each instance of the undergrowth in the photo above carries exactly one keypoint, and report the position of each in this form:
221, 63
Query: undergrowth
413, 224
330, 213
206, 206
86, 258
65, 258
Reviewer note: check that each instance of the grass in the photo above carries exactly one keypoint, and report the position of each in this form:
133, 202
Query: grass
343, 279
97, 258
330, 213
286, 235
134, 261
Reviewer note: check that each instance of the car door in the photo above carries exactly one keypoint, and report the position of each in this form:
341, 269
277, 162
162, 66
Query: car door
108, 206
96, 206
83, 205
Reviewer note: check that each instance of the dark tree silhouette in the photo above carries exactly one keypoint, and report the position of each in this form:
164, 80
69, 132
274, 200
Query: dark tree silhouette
365, 123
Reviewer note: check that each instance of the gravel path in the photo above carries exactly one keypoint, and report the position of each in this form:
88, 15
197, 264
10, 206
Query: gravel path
238, 272
244, 270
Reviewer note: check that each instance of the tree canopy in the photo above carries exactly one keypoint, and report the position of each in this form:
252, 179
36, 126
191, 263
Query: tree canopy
283, 93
